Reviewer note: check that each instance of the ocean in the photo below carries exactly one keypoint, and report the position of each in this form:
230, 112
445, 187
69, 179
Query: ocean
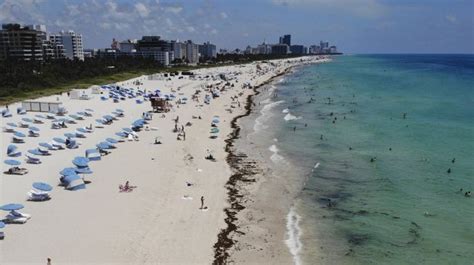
382, 146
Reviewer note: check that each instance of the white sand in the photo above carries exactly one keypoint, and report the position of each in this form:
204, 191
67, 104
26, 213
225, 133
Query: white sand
153, 224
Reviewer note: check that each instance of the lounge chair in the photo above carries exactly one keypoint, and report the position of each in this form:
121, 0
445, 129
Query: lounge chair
17, 140
16, 171
34, 195
20, 111
55, 125
23, 125
33, 134
32, 160
8, 129
6, 113
37, 121
15, 217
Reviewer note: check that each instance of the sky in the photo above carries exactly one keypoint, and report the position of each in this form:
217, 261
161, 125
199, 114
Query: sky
354, 26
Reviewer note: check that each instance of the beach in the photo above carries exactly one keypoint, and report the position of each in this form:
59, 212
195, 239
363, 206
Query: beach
160, 221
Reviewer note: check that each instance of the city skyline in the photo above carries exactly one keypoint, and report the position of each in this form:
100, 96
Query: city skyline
388, 26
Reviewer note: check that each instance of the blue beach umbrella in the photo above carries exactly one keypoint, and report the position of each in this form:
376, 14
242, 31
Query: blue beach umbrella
111, 140
101, 121
35, 152
27, 120
46, 145
104, 145
215, 121
34, 129
214, 130
108, 117
12, 162
80, 161
11, 124
121, 134
128, 130
19, 134
119, 110
2, 224
12, 207
59, 140
70, 135
83, 170
42, 186
81, 130
89, 110
40, 116
68, 171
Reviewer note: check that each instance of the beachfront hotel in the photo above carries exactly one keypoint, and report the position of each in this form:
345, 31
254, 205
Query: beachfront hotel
72, 43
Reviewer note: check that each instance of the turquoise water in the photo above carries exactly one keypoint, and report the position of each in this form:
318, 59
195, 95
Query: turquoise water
404, 207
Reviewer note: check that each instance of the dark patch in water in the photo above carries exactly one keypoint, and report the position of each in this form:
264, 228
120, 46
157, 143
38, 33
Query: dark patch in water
358, 239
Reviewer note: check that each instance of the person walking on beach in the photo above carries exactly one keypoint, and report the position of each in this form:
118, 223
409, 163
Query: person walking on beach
202, 203
48, 261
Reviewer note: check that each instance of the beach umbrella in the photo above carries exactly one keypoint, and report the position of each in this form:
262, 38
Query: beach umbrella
74, 182
11, 149
82, 113
27, 119
104, 145
119, 110
46, 145
111, 140
83, 170
108, 117
89, 110
42, 186
2, 224
12, 162
34, 129
214, 130
128, 130
70, 135
35, 152
82, 130
101, 121
121, 134
40, 116
19, 134
11, 124
12, 207
59, 140
68, 171
215, 121
80, 161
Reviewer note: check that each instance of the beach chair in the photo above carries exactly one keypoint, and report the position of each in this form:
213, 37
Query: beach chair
20, 111
37, 121
55, 126
33, 134
23, 124
6, 113
32, 160
72, 144
15, 217
34, 195
17, 140
16, 171
9, 129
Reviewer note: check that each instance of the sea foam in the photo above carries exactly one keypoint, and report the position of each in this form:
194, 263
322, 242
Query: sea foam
294, 233
275, 157
290, 117
260, 121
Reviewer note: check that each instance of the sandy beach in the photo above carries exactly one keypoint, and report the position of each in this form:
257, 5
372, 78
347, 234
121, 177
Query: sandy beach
160, 221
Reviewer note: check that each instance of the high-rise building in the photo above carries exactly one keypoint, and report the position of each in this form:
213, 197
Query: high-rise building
179, 49
156, 48
297, 49
192, 52
208, 50
21, 43
280, 49
286, 39
72, 43
264, 48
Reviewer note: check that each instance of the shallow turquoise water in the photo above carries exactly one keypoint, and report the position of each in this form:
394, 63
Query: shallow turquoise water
403, 208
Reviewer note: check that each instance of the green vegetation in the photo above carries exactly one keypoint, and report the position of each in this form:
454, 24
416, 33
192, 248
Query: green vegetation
21, 80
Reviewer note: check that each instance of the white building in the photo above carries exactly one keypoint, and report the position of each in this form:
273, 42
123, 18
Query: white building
72, 43
192, 52
179, 49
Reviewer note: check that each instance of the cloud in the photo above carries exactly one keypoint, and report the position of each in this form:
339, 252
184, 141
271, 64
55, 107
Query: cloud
451, 19
142, 9
223, 15
361, 8
21, 11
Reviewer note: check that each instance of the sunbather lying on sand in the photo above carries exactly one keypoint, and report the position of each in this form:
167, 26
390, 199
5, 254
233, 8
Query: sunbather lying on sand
126, 187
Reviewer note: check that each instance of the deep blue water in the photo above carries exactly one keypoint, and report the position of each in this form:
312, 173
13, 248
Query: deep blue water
404, 207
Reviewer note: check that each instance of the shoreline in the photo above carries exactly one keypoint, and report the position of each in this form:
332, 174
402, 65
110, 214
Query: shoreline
249, 170
234, 159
